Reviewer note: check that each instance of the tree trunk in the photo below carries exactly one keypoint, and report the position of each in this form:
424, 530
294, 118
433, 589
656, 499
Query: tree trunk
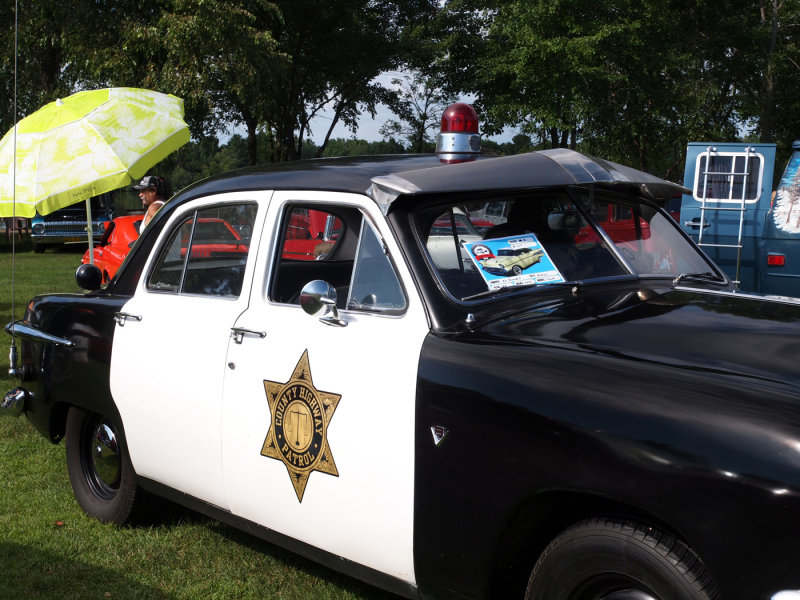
252, 140
769, 15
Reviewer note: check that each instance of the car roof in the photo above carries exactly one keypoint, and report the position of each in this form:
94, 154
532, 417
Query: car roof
387, 177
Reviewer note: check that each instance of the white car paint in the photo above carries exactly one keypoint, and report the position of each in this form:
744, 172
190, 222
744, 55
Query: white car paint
167, 372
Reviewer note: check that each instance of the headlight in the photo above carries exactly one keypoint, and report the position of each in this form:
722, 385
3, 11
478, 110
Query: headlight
38, 228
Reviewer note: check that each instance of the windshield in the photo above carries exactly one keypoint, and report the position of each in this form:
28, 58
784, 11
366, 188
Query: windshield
539, 239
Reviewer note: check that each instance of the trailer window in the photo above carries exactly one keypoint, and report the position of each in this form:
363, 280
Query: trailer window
728, 177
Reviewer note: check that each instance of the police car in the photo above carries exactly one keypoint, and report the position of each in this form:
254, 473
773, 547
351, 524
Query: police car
614, 422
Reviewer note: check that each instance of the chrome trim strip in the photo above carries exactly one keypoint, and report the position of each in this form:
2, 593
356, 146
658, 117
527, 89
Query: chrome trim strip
745, 295
458, 143
30, 333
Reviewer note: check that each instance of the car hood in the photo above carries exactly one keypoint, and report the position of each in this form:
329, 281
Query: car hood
715, 331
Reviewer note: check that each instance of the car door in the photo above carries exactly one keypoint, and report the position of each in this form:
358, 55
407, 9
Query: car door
168, 358
318, 440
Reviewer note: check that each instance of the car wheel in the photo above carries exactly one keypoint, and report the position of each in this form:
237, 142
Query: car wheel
615, 559
517, 270
99, 468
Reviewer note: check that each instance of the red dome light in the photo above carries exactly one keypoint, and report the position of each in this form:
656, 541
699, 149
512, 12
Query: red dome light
459, 118
459, 140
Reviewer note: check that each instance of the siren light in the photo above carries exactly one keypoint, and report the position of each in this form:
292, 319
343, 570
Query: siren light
459, 139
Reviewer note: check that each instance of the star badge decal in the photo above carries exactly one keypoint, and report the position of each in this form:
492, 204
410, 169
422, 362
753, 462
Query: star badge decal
298, 431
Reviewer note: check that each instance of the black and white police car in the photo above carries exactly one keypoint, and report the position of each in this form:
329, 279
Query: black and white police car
613, 422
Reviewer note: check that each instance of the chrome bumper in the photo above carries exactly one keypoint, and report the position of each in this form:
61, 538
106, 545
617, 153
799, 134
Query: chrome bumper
786, 595
13, 402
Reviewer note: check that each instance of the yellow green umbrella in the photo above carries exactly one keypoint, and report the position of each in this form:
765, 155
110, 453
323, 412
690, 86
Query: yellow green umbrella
84, 145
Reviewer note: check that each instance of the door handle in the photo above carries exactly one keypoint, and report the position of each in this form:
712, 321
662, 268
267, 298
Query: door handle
121, 317
238, 333
695, 224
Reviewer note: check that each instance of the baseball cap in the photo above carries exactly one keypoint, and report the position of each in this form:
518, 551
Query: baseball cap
148, 181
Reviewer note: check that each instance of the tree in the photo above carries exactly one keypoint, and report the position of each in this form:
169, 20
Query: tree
628, 79
355, 147
419, 105
336, 51
218, 55
773, 85
50, 43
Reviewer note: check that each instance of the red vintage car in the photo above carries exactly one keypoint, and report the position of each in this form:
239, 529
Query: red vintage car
311, 234
212, 238
113, 247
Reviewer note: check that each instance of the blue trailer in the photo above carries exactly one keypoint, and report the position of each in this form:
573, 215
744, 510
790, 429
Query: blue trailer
752, 233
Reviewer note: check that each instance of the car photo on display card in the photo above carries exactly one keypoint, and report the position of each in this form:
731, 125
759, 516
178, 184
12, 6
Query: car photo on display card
512, 261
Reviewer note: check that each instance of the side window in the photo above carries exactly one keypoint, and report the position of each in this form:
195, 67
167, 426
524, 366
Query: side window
337, 245
316, 242
375, 285
206, 253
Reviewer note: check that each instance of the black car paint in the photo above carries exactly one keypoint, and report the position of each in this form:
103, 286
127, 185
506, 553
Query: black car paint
56, 376
617, 404
560, 404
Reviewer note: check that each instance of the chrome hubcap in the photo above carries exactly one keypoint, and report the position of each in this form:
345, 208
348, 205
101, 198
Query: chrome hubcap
105, 455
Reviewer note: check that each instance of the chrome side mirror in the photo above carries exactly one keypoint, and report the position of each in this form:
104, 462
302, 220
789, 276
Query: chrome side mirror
319, 298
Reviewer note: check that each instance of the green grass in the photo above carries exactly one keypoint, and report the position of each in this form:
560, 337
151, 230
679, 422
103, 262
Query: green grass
50, 549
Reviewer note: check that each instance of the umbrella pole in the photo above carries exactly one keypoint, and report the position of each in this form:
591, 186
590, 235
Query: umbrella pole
89, 229
12, 351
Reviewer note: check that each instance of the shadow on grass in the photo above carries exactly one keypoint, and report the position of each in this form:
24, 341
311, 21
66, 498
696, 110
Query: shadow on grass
160, 512
32, 573
295, 561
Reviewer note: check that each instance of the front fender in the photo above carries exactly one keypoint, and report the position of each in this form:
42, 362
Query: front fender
66, 342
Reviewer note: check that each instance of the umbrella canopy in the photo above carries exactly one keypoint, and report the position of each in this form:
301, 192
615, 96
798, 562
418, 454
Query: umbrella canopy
86, 144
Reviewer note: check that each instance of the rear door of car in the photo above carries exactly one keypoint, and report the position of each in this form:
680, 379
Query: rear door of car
169, 354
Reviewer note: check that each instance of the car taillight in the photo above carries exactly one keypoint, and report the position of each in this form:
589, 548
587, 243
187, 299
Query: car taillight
458, 139
776, 260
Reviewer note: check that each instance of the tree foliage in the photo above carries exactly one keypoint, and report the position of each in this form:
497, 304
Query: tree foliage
630, 79
271, 66
418, 104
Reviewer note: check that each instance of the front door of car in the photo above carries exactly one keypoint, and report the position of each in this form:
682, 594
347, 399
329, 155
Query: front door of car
318, 435
168, 359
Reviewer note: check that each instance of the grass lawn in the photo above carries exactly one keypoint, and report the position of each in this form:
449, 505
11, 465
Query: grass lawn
50, 549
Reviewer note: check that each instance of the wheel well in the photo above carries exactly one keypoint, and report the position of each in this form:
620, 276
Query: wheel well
58, 421
538, 522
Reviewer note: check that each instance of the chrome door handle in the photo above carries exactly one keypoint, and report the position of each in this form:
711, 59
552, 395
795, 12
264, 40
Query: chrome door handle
238, 333
696, 224
121, 317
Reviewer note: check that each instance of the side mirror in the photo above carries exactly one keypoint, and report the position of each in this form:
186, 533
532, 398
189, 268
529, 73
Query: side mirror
89, 277
319, 298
